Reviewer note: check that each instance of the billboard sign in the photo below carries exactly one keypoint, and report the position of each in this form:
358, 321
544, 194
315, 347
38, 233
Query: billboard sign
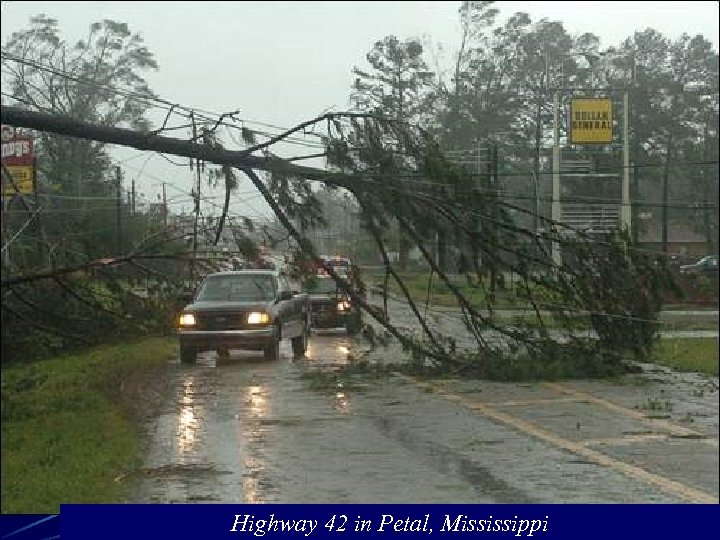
591, 121
18, 160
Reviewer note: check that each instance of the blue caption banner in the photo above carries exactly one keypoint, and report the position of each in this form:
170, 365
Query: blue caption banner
245, 521
250, 521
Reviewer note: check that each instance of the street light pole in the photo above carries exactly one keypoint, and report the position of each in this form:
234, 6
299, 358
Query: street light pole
118, 207
556, 211
626, 213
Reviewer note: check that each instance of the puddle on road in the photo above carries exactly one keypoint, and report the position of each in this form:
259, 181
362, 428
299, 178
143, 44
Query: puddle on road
196, 471
342, 403
480, 442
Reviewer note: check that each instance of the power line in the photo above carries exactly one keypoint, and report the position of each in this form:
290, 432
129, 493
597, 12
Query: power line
158, 102
21, 229
167, 105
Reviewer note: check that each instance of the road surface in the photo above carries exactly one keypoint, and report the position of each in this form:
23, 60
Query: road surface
246, 430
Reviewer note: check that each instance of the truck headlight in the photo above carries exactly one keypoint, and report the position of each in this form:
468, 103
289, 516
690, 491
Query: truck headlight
342, 306
257, 317
187, 319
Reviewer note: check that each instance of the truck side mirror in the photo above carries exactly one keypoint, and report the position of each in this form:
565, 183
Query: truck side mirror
284, 295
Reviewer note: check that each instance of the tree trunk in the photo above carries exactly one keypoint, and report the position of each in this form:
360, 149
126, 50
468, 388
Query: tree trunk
404, 244
403, 251
442, 251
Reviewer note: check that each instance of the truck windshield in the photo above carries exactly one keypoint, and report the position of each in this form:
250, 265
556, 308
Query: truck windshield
238, 288
340, 264
322, 286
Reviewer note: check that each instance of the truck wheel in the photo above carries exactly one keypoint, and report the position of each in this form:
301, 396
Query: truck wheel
188, 355
353, 324
272, 351
299, 344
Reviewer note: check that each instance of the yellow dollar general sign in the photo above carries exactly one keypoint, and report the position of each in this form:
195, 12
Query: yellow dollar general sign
591, 121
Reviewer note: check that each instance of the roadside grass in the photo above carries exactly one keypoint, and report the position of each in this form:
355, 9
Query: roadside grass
440, 293
582, 322
68, 432
681, 325
689, 306
688, 354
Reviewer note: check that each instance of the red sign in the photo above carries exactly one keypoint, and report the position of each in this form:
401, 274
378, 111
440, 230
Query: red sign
18, 163
18, 152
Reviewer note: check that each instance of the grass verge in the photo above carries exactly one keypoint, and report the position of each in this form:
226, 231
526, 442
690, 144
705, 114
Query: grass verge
69, 431
696, 354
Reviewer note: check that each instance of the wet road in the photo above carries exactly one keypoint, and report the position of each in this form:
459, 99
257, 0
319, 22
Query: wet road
246, 430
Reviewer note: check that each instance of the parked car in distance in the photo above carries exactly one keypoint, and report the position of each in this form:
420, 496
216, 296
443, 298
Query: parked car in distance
708, 265
246, 309
331, 307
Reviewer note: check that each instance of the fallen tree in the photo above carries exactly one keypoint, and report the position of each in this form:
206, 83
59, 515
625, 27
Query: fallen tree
398, 174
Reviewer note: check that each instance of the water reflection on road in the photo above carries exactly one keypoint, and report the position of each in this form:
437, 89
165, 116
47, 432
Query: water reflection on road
255, 402
189, 423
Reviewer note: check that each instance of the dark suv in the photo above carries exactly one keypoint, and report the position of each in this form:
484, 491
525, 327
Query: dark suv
330, 307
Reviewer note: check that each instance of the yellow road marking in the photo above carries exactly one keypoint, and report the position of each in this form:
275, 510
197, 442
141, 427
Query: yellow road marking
670, 486
658, 422
632, 439
627, 439
521, 403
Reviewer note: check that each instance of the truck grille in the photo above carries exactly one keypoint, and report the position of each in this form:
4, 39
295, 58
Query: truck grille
222, 321
322, 307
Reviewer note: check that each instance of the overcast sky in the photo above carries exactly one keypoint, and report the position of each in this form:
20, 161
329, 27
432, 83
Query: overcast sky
285, 62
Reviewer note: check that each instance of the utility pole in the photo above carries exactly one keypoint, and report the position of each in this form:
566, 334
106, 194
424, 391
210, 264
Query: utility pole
165, 208
477, 259
118, 205
556, 215
665, 197
133, 197
634, 201
536, 215
196, 195
626, 211
705, 190
3, 218
39, 227
493, 151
